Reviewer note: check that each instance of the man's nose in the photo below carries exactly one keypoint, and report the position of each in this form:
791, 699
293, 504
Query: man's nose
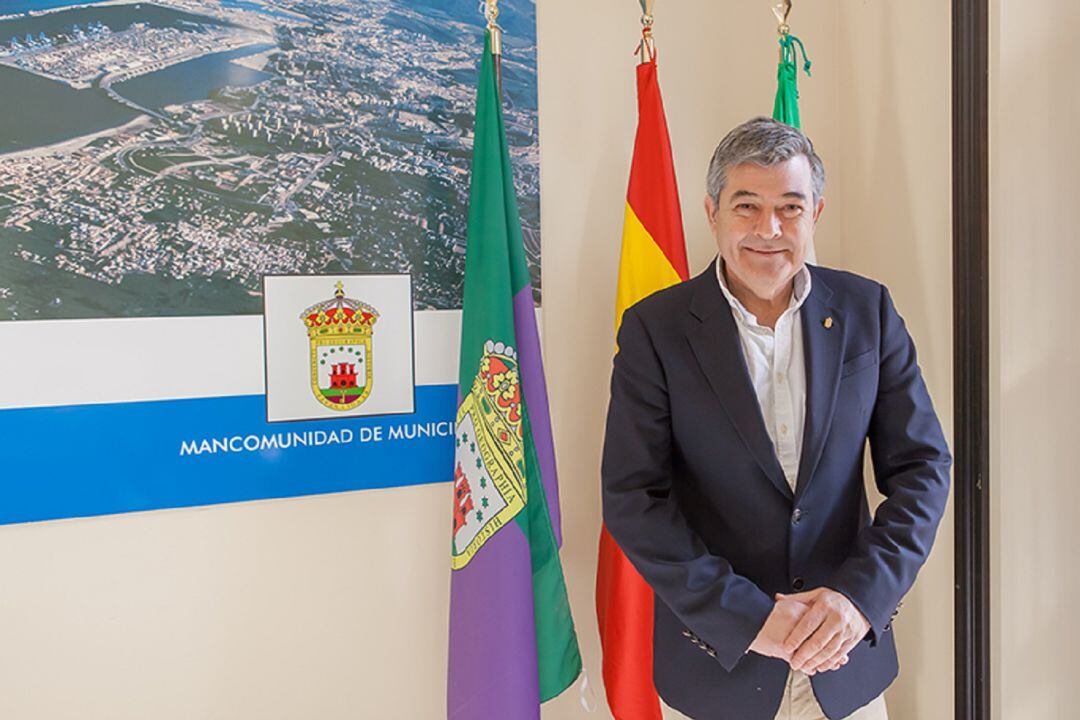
768, 226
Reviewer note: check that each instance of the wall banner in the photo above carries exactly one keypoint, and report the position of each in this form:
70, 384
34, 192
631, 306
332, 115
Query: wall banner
232, 244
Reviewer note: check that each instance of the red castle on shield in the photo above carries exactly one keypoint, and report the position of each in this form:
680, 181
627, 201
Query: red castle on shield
462, 498
343, 375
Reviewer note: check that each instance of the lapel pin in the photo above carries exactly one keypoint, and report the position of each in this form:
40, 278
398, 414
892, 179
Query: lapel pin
828, 322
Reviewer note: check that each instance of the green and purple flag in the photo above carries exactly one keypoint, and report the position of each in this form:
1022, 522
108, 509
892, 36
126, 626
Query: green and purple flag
512, 639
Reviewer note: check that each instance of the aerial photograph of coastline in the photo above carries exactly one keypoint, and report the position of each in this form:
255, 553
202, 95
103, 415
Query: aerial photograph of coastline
158, 158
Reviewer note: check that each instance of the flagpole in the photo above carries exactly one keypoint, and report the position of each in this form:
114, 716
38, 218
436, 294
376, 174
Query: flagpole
782, 10
646, 49
491, 12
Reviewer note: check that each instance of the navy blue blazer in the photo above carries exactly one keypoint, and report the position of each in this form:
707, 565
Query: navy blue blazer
694, 495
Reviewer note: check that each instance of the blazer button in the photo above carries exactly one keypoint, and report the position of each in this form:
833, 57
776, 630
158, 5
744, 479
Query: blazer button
798, 583
796, 516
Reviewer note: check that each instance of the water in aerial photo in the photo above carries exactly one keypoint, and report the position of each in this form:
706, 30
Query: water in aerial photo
157, 159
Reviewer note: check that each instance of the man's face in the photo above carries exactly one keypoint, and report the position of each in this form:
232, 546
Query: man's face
764, 224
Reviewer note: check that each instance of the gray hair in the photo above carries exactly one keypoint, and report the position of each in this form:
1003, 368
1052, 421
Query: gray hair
765, 142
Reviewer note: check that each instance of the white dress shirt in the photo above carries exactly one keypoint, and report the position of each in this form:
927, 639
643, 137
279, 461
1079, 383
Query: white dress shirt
777, 365
776, 361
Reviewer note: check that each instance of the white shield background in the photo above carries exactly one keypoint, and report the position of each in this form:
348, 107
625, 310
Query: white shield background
331, 355
487, 502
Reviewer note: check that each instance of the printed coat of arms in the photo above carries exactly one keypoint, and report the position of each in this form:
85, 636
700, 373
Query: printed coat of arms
340, 338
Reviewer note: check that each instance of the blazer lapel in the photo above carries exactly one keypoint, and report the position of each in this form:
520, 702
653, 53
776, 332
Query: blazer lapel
823, 343
716, 346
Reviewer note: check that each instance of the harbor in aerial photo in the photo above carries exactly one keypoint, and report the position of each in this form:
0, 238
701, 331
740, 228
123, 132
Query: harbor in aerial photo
157, 159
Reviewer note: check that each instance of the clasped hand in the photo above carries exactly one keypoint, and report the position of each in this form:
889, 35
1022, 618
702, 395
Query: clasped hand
812, 631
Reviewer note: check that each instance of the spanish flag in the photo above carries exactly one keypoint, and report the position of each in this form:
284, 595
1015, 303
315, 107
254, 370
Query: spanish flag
653, 258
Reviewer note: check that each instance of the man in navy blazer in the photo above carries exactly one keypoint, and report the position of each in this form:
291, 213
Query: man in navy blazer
741, 403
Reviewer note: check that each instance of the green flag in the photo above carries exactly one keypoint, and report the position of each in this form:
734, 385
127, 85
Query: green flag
512, 639
786, 107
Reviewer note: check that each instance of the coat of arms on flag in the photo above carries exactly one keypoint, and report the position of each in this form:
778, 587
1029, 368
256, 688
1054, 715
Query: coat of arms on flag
489, 456
340, 333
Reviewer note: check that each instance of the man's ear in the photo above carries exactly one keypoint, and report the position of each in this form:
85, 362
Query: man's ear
711, 209
818, 210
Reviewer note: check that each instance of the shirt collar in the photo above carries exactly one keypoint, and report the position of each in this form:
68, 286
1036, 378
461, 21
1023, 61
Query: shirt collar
798, 296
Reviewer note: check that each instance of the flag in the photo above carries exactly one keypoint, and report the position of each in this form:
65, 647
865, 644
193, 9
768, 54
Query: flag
653, 257
786, 106
512, 639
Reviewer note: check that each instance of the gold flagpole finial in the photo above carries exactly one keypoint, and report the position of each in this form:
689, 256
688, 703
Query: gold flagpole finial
647, 47
491, 12
782, 10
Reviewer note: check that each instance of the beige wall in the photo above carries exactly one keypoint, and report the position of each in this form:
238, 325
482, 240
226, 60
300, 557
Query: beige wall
717, 65
1035, 395
336, 606
892, 196
878, 111
323, 607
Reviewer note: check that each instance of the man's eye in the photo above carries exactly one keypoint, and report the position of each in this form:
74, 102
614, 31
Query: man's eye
793, 209
744, 206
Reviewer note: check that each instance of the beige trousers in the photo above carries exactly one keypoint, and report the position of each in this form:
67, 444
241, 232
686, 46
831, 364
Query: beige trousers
799, 703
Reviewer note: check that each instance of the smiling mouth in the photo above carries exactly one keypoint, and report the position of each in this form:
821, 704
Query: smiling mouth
764, 252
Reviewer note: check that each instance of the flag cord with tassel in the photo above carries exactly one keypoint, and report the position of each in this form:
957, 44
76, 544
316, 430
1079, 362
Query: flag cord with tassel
786, 106
782, 10
646, 49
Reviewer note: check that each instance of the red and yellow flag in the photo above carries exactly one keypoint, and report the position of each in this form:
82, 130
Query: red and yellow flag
653, 257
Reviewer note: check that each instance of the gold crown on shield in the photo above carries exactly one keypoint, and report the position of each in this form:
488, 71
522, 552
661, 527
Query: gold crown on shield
340, 316
499, 384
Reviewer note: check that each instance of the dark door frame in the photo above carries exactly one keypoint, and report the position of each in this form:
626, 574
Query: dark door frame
971, 351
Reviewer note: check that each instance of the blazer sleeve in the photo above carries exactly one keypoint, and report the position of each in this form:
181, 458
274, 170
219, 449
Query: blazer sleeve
724, 609
911, 468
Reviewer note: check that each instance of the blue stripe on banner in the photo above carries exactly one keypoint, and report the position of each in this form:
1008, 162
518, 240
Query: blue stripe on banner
84, 460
